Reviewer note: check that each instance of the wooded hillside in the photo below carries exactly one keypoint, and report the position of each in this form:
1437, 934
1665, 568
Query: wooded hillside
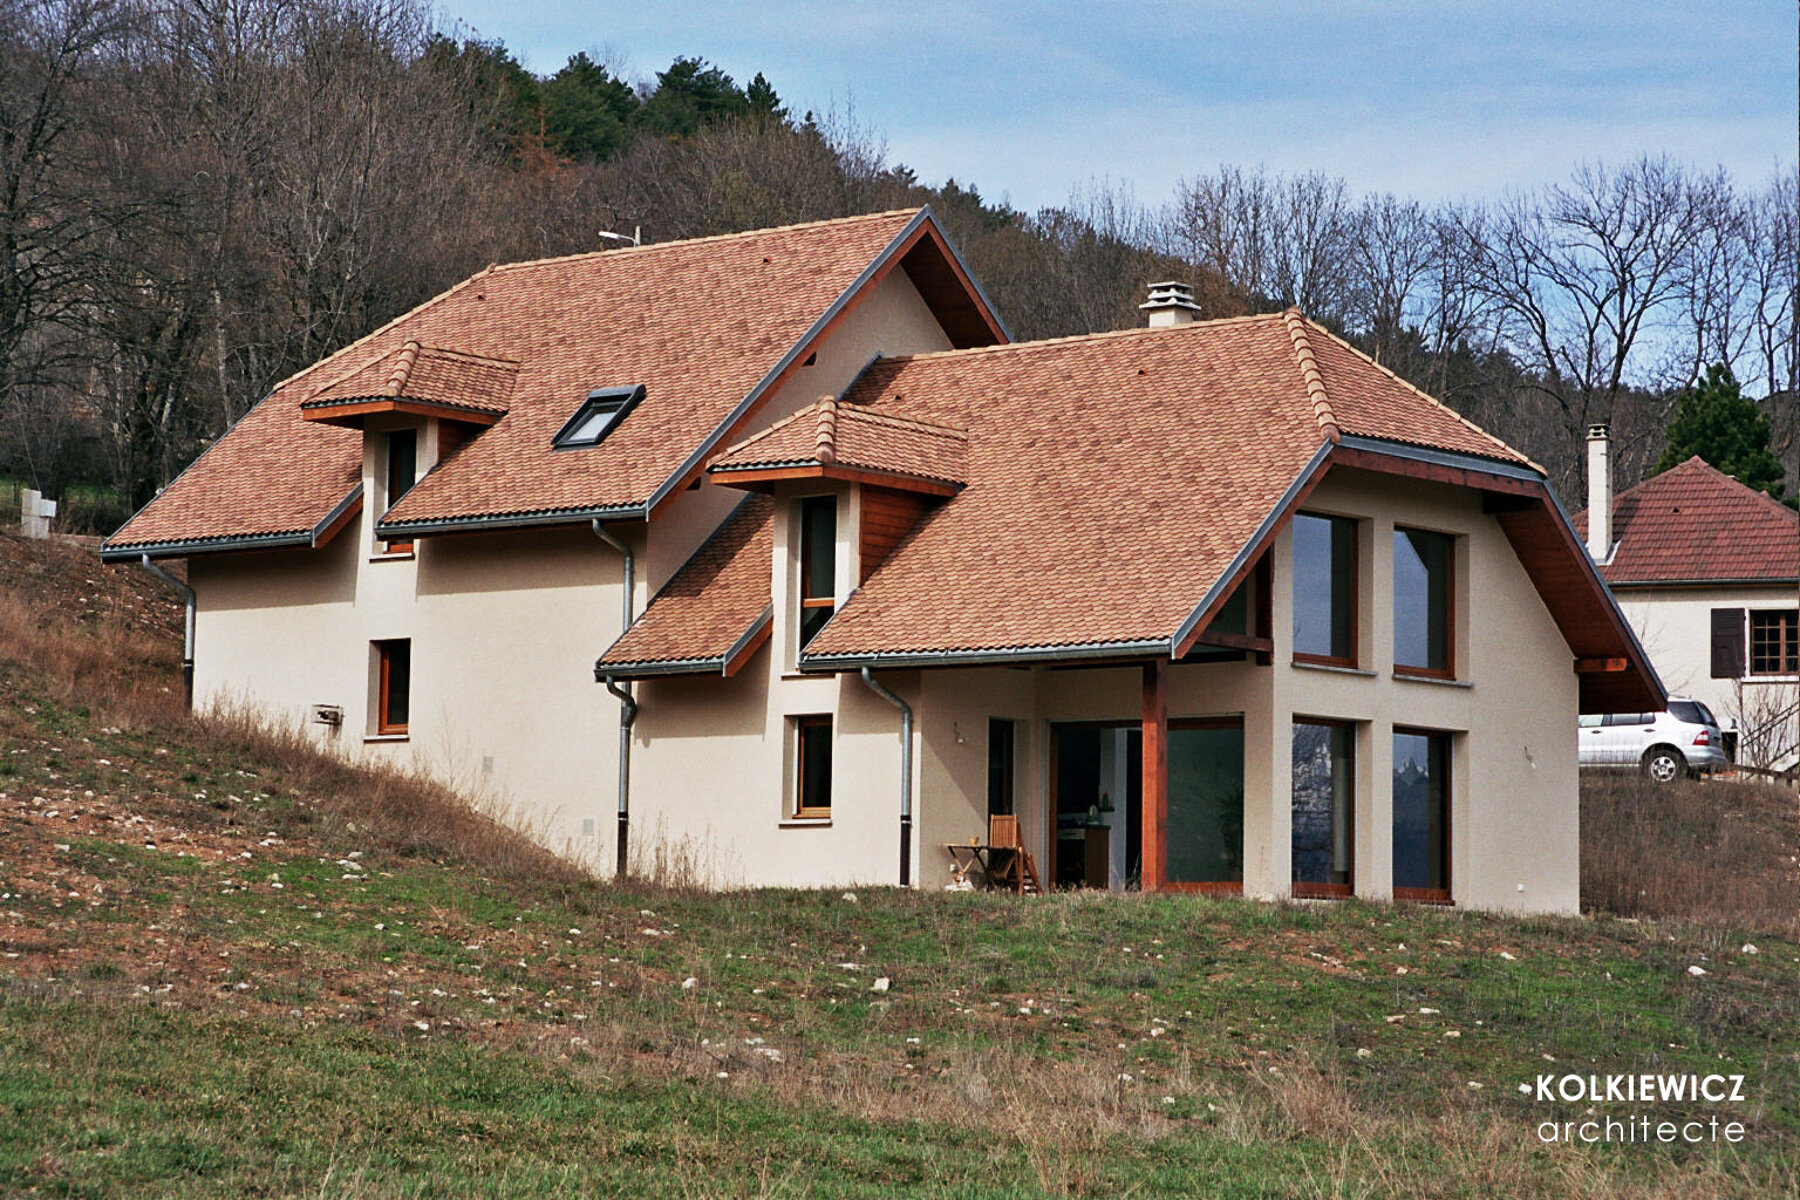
199, 197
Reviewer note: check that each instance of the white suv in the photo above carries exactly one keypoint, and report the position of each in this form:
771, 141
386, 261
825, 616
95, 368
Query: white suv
1665, 746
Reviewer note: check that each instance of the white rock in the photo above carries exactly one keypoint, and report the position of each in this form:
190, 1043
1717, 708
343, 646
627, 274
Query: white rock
880, 985
1696, 971
689, 984
1748, 948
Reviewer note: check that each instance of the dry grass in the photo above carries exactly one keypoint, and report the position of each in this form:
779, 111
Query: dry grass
1718, 853
117, 655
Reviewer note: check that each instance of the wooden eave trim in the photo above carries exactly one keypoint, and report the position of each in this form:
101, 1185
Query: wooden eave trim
337, 524
1601, 666
1393, 464
942, 246
746, 650
1236, 641
754, 478
349, 416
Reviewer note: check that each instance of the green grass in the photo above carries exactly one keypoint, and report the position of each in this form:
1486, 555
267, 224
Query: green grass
227, 969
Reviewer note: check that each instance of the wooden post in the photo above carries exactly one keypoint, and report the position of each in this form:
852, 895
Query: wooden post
1153, 843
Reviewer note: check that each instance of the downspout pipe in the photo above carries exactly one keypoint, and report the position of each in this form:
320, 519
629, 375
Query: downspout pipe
906, 741
628, 708
187, 640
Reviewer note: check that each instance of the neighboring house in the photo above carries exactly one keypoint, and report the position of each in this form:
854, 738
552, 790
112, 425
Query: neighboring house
1708, 572
1212, 606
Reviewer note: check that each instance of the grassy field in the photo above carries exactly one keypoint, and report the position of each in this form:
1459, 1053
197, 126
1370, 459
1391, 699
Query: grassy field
230, 968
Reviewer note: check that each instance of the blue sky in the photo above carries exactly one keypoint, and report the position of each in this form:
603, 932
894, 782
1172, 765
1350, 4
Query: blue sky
1460, 98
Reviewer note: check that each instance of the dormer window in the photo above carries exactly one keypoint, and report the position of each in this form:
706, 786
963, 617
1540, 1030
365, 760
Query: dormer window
599, 413
399, 471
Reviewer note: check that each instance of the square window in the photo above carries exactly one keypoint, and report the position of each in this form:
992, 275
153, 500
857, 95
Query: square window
1774, 641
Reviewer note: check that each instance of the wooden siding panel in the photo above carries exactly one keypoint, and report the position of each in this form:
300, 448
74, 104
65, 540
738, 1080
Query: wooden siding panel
887, 517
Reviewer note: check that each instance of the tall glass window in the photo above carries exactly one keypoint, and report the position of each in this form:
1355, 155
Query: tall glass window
1421, 816
1325, 589
812, 767
818, 564
1324, 808
1206, 803
1422, 598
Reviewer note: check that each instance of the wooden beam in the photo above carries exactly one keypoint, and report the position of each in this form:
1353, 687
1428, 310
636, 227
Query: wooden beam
755, 477
1601, 666
1394, 464
1236, 641
1155, 807
350, 415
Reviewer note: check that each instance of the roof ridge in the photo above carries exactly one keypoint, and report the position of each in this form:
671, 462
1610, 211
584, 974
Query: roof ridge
1309, 371
619, 251
1101, 335
826, 448
403, 365
1698, 462
486, 360
1426, 396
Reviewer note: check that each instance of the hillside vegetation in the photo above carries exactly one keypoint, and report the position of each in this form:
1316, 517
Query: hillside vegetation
231, 968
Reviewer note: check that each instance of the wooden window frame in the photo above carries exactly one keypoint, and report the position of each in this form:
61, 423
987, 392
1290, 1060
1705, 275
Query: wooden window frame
1355, 590
1787, 642
1329, 891
399, 547
799, 810
383, 653
1439, 896
1226, 887
809, 602
1448, 671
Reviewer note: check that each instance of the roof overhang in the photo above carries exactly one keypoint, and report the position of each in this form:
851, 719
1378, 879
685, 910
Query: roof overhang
341, 514
354, 413
726, 664
764, 478
1120, 653
542, 518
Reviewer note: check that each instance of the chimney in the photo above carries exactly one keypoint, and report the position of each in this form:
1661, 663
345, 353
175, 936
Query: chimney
1171, 303
1600, 493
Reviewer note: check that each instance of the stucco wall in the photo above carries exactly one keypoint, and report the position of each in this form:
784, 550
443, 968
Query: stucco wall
505, 629
1675, 627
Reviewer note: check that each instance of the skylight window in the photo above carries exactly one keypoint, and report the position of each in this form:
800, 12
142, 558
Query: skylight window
599, 413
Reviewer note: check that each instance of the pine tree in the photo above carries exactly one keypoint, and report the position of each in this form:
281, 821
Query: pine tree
1717, 422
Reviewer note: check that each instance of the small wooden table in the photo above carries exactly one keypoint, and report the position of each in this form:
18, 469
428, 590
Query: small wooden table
993, 861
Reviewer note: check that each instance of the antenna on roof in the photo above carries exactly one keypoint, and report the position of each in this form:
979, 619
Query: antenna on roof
636, 236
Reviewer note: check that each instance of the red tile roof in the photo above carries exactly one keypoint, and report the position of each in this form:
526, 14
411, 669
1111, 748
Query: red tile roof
428, 373
845, 435
1693, 523
699, 323
714, 605
1113, 478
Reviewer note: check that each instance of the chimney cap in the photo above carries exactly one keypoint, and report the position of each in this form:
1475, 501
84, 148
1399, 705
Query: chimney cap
1599, 431
1171, 293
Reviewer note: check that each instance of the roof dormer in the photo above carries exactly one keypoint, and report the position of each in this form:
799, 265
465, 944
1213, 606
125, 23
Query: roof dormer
420, 381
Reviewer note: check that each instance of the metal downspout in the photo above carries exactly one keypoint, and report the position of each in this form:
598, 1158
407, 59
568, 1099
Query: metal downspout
906, 740
187, 641
628, 708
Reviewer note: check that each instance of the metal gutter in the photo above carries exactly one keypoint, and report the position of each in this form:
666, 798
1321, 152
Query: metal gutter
193, 546
628, 708
551, 516
1247, 553
1007, 656
1442, 458
906, 741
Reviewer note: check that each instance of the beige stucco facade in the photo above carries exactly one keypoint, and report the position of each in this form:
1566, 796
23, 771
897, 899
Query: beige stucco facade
713, 759
505, 626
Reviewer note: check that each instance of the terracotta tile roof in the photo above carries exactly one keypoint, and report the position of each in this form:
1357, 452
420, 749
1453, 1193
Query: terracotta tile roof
1113, 478
699, 323
710, 607
1695, 523
428, 373
847, 435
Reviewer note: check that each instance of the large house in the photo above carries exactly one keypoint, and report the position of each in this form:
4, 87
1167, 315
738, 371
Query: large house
1708, 573
1207, 605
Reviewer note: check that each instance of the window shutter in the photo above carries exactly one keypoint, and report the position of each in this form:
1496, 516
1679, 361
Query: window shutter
1727, 643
